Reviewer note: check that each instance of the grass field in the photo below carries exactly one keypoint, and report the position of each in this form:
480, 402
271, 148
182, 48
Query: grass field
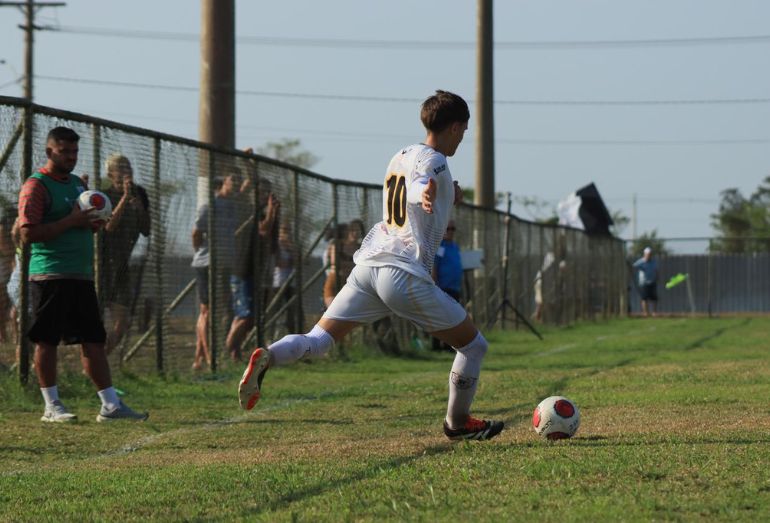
675, 427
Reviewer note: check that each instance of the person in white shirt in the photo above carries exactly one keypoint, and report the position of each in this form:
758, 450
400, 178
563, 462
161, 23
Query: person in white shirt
392, 272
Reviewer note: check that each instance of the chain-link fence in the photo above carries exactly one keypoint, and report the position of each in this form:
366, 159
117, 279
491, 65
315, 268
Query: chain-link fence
519, 271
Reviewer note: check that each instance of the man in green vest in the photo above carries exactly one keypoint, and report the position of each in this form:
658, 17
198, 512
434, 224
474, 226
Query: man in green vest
61, 279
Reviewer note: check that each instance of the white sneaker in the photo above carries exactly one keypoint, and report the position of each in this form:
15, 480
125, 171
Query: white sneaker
58, 413
122, 411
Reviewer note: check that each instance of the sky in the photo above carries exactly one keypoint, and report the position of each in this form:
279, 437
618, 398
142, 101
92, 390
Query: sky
667, 102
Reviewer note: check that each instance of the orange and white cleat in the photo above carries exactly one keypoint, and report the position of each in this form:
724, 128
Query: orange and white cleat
251, 382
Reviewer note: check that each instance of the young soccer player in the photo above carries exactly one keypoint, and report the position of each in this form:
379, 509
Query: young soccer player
393, 272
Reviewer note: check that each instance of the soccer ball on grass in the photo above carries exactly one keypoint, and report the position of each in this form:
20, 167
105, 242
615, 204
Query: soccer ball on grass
556, 417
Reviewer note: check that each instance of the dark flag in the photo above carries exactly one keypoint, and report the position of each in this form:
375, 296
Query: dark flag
584, 209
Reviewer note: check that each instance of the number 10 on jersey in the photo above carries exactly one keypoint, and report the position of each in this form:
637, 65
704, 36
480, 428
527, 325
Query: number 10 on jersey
395, 184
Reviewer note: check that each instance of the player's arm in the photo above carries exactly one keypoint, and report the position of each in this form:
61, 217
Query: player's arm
421, 189
458, 192
266, 225
32, 202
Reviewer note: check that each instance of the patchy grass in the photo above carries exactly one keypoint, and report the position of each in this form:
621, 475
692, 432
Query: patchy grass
675, 426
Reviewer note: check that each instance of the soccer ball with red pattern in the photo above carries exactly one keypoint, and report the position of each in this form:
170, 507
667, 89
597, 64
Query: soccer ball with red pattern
556, 417
99, 201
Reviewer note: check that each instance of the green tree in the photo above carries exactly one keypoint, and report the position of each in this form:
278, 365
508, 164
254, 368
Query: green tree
743, 224
289, 150
651, 240
538, 209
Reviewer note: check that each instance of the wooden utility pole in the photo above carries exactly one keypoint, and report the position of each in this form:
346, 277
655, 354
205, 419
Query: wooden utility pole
216, 114
485, 128
29, 8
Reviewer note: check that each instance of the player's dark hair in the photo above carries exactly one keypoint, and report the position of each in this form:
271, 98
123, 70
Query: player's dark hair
443, 109
63, 134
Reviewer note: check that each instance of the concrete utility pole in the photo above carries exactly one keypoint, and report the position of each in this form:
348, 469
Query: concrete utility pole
216, 114
29, 8
485, 117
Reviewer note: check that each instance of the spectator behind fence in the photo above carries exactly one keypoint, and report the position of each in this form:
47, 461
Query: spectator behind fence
63, 296
549, 281
225, 223
7, 254
285, 264
647, 274
243, 277
130, 218
448, 272
340, 255
13, 288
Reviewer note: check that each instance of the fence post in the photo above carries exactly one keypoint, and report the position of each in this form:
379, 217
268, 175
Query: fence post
98, 236
299, 320
710, 267
505, 302
335, 242
24, 319
211, 233
260, 260
157, 234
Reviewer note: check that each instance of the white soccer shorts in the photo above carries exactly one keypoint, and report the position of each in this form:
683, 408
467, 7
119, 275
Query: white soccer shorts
372, 293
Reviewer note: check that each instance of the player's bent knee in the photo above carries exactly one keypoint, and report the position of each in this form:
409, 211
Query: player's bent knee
476, 349
321, 341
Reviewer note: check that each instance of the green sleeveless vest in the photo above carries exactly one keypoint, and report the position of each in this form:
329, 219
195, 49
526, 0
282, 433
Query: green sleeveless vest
72, 252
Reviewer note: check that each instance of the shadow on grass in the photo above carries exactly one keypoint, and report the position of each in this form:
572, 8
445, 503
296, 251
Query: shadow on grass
717, 333
606, 441
278, 422
29, 450
330, 486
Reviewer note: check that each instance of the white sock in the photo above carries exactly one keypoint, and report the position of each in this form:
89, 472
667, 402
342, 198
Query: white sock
289, 349
463, 380
50, 394
109, 397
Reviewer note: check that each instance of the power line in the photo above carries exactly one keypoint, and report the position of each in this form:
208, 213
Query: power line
359, 98
12, 82
247, 92
414, 44
742, 141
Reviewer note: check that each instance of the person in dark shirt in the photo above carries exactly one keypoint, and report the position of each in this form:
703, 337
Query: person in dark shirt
130, 218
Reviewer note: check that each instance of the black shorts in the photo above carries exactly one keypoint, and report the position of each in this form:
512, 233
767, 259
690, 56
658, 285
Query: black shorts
649, 292
65, 311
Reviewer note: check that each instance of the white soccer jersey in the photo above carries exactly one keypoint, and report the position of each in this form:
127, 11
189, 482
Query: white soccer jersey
408, 237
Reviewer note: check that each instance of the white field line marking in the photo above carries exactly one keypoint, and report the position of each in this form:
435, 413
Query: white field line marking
569, 346
148, 440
